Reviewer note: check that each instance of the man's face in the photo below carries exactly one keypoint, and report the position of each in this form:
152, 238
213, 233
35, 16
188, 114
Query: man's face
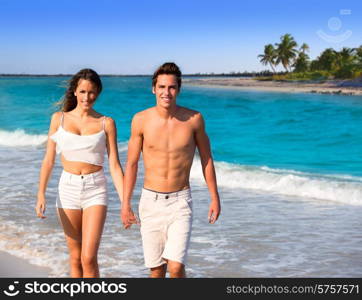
166, 90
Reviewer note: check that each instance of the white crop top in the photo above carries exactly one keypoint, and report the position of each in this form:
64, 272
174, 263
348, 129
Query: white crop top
83, 148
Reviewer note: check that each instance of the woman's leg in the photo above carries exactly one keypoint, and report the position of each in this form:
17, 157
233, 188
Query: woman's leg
71, 220
93, 221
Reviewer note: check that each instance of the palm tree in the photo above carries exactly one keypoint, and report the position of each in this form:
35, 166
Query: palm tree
304, 48
359, 56
346, 62
345, 56
301, 63
285, 51
327, 60
359, 52
269, 56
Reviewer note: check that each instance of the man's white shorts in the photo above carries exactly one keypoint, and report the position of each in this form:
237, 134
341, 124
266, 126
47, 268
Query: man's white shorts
166, 221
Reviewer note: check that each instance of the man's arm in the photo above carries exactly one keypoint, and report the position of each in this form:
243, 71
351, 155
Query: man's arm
134, 150
208, 169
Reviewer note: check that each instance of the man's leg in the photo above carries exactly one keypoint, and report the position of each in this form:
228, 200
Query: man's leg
158, 272
176, 269
178, 237
153, 231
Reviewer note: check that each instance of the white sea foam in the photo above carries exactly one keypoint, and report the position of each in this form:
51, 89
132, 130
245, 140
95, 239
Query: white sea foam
21, 138
340, 188
122, 146
40, 249
44, 245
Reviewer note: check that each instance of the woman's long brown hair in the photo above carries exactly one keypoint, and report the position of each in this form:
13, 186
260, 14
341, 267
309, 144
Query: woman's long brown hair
69, 101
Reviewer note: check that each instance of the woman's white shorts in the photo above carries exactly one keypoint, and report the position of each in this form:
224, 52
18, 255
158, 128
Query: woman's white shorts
82, 191
166, 220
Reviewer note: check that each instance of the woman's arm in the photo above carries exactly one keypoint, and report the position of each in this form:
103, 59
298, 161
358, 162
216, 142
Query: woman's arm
47, 166
114, 164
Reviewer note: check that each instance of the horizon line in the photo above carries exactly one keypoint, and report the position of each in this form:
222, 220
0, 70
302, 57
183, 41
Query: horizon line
144, 75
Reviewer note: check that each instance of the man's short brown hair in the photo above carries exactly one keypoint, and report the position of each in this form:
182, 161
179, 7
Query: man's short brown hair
168, 68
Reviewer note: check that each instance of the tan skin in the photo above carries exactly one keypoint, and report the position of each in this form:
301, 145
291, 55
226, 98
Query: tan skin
82, 228
167, 135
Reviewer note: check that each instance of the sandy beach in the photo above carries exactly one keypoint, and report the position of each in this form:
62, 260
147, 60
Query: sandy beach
12, 266
339, 87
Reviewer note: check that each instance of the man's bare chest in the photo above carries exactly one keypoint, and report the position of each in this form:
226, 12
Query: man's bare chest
168, 138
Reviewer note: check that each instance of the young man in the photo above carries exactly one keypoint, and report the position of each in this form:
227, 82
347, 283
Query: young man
167, 135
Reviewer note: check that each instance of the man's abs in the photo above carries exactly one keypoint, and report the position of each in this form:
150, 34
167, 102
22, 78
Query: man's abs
167, 172
168, 150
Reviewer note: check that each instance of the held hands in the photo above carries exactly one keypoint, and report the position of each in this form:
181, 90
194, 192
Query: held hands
214, 211
128, 217
40, 207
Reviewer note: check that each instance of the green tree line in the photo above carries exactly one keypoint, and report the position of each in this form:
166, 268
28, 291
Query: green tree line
330, 64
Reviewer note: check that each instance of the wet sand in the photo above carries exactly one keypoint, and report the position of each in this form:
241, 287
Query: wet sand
12, 266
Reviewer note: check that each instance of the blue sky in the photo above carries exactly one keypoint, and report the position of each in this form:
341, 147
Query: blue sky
134, 37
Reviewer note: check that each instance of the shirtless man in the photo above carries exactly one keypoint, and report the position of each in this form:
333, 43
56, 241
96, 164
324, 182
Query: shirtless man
167, 135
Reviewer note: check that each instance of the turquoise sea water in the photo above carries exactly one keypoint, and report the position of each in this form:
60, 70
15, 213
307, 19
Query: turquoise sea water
303, 132
289, 169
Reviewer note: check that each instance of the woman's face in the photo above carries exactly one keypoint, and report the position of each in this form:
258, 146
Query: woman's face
86, 94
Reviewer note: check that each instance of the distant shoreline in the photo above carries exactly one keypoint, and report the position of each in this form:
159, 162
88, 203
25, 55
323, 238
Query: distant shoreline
222, 75
66, 75
337, 87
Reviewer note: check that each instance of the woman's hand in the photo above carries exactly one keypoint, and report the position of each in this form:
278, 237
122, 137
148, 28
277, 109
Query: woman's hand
40, 207
128, 217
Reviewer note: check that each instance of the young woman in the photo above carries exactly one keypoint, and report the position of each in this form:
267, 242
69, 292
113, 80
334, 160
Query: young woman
82, 136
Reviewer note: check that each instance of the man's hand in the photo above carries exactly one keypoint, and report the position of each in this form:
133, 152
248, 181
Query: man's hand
128, 217
214, 211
